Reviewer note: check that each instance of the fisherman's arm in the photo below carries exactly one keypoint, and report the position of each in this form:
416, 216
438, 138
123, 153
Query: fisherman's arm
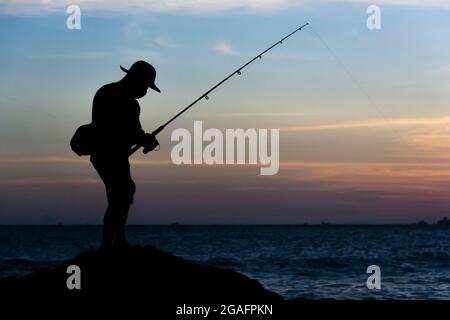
142, 138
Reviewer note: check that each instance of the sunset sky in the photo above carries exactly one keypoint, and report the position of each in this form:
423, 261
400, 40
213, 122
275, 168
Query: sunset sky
363, 114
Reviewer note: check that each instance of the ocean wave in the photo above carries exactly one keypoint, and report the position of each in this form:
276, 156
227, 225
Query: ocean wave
17, 261
307, 262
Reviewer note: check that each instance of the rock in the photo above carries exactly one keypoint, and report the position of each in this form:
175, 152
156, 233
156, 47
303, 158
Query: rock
144, 274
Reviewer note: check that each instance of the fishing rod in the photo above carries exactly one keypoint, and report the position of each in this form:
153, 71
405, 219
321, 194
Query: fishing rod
205, 95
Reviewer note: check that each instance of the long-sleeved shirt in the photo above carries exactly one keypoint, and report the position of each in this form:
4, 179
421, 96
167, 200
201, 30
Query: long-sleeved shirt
115, 119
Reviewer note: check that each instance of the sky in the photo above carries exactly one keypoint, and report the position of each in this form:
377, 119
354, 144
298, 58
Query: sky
363, 114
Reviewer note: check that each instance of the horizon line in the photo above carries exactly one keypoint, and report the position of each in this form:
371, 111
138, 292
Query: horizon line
221, 224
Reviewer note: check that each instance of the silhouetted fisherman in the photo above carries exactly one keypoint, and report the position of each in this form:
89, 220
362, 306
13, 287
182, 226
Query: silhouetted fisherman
115, 119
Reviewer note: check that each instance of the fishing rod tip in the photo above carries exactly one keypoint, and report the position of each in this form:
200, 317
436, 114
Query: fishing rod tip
304, 25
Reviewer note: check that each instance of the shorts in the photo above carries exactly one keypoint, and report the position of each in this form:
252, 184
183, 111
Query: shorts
116, 176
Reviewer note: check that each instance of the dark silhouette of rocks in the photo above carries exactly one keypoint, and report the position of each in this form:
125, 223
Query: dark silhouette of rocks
143, 273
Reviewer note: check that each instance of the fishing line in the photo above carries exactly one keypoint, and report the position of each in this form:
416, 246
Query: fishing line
206, 94
355, 81
42, 113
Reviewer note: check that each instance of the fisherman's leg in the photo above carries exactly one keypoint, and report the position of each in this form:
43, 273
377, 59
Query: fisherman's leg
106, 173
108, 228
123, 215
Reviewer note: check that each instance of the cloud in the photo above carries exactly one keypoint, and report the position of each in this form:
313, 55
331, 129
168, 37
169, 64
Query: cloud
23, 7
72, 160
134, 54
390, 180
20, 7
224, 48
44, 181
374, 124
166, 42
134, 29
437, 3
264, 114
79, 55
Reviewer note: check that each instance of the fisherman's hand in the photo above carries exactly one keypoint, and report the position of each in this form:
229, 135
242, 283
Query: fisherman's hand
150, 143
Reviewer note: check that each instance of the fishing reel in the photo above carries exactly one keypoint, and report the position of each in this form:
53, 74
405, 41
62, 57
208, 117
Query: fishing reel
150, 143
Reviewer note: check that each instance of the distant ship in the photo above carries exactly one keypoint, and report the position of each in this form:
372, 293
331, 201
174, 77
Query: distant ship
444, 221
422, 223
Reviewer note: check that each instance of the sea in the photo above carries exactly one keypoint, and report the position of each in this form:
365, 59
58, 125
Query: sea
296, 261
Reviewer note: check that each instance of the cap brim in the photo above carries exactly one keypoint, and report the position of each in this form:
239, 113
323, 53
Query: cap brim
154, 87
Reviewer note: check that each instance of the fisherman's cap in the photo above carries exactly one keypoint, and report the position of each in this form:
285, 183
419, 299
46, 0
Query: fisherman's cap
143, 71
